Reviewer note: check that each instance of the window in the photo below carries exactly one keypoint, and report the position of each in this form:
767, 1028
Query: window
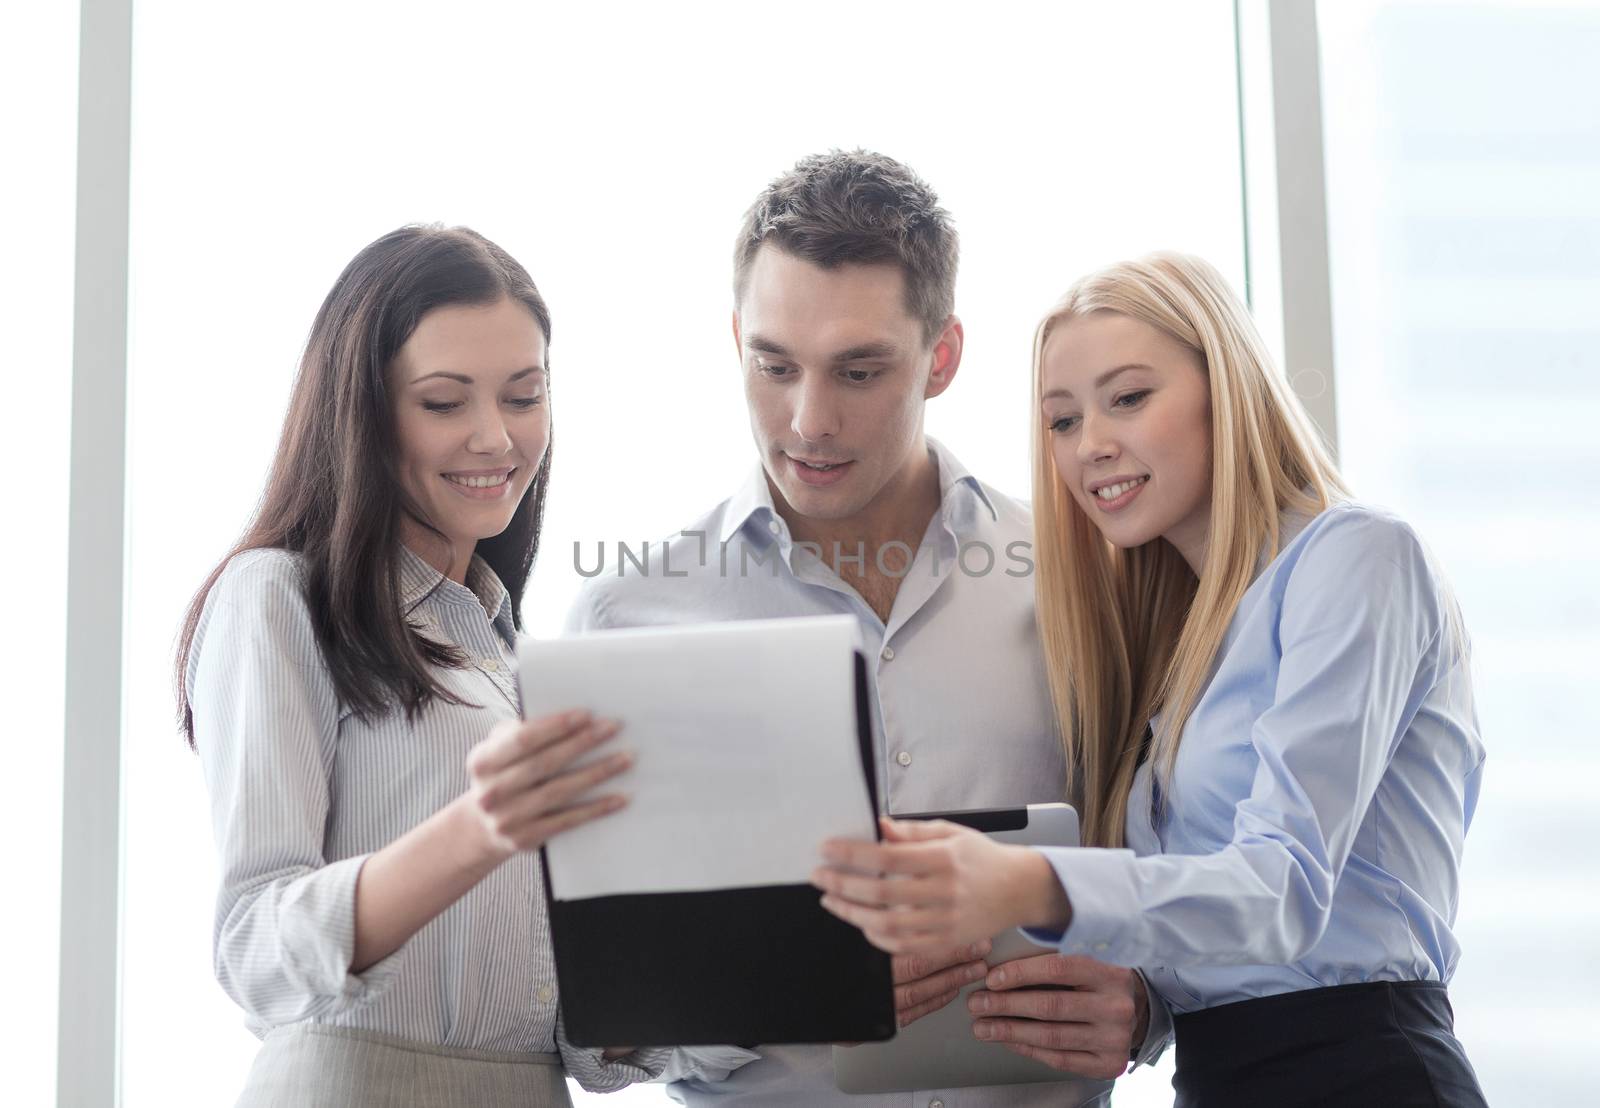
1464, 212
612, 151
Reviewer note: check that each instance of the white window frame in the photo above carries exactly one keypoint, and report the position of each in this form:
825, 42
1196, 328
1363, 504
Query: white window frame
91, 805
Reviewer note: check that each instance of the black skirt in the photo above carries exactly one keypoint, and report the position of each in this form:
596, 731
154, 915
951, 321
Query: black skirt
1381, 1043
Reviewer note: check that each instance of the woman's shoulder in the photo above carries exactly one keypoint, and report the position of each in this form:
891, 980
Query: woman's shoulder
1354, 534
260, 593
1354, 549
261, 575
256, 605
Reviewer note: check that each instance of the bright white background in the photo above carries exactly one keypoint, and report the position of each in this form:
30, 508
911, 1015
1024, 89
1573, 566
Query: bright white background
38, 163
612, 150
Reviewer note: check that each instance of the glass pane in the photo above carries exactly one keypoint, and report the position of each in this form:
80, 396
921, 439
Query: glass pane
1464, 193
617, 170
38, 146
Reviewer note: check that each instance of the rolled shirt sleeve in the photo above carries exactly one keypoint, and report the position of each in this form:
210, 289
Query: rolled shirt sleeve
587, 1065
707, 1063
1359, 627
265, 722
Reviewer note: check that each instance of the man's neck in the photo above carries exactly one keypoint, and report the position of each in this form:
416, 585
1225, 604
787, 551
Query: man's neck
858, 548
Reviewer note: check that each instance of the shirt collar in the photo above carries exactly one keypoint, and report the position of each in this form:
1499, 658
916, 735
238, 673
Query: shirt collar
419, 581
753, 500
954, 479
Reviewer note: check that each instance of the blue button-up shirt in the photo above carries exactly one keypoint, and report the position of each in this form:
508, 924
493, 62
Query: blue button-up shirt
961, 711
1311, 830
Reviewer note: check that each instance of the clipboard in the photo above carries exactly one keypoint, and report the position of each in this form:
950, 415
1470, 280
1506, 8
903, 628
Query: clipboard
753, 964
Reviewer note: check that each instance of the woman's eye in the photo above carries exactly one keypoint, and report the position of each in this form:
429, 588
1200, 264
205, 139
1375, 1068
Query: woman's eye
440, 405
523, 403
1129, 399
1063, 424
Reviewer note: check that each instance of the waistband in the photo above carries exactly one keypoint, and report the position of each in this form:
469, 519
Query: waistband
397, 1042
1377, 1042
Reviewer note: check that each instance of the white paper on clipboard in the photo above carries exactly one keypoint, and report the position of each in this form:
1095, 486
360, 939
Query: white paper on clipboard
747, 755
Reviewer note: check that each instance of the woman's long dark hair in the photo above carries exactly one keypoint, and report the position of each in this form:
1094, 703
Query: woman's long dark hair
333, 494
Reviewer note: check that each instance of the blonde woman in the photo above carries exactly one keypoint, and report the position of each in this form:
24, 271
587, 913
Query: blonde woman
1265, 687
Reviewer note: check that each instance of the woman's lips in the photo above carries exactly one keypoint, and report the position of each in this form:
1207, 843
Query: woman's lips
481, 492
1121, 502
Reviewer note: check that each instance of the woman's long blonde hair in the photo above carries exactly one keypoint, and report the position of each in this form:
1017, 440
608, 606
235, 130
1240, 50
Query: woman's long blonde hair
1129, 633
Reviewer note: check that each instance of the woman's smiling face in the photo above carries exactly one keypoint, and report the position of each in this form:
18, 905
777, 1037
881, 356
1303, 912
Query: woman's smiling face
472, 423
1128, 412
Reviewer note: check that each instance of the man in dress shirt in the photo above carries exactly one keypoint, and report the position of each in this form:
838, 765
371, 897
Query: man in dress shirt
844, 283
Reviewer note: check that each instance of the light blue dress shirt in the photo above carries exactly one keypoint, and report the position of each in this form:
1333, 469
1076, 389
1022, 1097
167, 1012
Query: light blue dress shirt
1312, 828
961, 711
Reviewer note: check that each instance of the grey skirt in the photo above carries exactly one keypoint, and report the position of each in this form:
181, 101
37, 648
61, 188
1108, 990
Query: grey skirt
309, 1065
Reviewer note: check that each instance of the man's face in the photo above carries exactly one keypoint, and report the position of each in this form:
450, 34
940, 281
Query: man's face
836, 372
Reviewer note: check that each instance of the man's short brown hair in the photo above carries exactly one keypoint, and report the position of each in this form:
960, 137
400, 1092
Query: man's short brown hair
858, 207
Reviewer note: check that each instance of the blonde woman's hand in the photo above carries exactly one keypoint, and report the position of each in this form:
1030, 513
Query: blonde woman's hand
934, 885
525, 786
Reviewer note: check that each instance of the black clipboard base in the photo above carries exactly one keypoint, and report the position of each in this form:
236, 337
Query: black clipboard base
705, 988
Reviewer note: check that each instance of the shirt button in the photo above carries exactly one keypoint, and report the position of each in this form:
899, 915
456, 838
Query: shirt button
904, 757
774, 526
546, 993
493, 665
1099, 946
935, 1103
888, 654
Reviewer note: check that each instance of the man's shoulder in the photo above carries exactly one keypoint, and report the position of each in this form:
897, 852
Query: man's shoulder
635, 582
1000, 519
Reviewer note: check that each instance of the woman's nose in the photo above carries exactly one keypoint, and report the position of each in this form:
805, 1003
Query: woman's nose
1094, 442
489, 436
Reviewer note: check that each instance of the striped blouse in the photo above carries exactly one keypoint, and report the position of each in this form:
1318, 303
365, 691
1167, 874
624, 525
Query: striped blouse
302, 791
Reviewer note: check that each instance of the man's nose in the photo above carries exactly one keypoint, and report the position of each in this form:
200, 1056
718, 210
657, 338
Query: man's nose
816, 415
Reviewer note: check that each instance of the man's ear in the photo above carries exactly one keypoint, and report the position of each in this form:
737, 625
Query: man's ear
946, 357
738, 343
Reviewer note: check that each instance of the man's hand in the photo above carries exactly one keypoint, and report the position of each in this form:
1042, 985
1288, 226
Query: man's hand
923, 984
1087, 1020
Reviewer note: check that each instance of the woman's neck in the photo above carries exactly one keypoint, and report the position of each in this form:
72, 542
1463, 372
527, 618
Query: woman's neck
437, 551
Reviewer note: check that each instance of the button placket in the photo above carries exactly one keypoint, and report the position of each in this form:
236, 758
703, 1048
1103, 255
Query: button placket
490, 661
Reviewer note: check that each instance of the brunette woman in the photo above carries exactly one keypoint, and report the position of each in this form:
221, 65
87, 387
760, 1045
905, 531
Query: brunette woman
347, 675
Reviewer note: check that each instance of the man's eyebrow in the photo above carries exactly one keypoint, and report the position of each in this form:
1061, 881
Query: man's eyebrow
866, 351
1100, 380
765, 345
466, 380
860, 352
